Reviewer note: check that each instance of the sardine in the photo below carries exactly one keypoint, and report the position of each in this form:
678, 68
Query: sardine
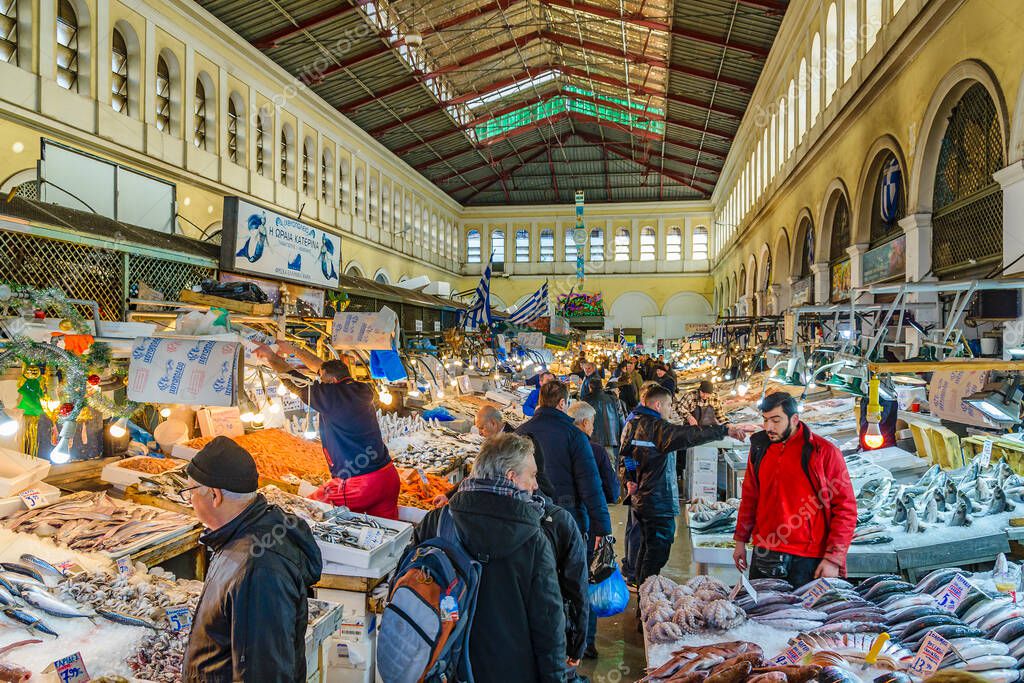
126, 619
999, 503
29, 620
52, 606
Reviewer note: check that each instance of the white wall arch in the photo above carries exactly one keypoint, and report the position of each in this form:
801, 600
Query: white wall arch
382, 276
823, 238
933, 127
499, 303
354, 268
26, 176
629, 310
685, 308
860, 205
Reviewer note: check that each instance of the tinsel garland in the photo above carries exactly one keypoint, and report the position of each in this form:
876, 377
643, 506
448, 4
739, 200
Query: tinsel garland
51, 299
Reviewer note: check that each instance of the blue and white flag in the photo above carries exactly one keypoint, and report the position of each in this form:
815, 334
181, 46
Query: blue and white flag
622, 337
890, 190
534, 307
718, 335
479, 312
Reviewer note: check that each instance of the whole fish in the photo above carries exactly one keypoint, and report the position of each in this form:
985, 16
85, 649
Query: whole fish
982, 489
851, 627
846, 605
1009, 631
126, 619
939, 498
867, 584
794, 673
913, 525
933, 580
960, 517
909, 614
733, 674
874, 539
951, 492
910, 631
777, 585
837, 674
973, 599
969, 648
987, 663
42, 566
972, 473
838, 584
12, 588
51, 605
893, 677
790, 624
9, 599
23, 569
947, 631
29, 620
857, 613
984, 608
898, 602
994, 620
931, 511
885, 589
999, 503
999, 675
788, 612
1003, 472
972, 506
929, 476
21, 581
901, 511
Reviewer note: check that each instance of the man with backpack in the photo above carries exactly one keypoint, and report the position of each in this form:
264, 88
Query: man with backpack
798, 504
649, 467
512, 615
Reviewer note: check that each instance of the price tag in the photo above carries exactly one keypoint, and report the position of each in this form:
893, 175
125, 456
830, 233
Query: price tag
180, 617
792, 654
125, 566
70, 669
69, 568
423, 476
32, 498
817, 589
419, 325
931, 653
986, 454
437, 326
953, 594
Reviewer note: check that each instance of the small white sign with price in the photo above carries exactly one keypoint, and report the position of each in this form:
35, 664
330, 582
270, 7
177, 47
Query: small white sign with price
70, 669
817, 589
986, 454
32, 498
953, 594
180, 617
931, 653
124, 565
793, 654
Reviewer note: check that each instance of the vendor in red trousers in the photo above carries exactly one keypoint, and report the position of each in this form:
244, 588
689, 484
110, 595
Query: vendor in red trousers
798, 505
364, 478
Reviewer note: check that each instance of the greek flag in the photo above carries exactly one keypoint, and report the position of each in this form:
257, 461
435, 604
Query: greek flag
718, 335
534, 307
890, 191
622, 337
479, 312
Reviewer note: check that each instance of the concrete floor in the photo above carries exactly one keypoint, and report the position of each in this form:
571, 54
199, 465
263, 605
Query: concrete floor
620, 646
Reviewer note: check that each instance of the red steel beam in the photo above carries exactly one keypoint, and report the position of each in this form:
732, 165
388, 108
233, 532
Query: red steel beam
657, 169
271, 40
380, 130
506, 175
469, 16
694, 148
386, 92
612, 81
611, 125
511, 44
318, 77
529, 72
550, 120
493, 162
701, 37
602, 49
670, 157
635, 19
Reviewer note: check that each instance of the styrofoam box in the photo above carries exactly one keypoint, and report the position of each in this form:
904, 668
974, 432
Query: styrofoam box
411, 514
346, 661
183, 452
18, 471
383, 554
14, 504
122, 477
353, 604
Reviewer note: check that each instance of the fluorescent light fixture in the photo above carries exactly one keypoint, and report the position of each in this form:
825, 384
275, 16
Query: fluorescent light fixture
119, 428
1000, 401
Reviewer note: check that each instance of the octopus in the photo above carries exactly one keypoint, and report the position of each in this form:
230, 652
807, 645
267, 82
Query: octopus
708, 583
657, 584
689, 618
661, 612
665, 632
723, 615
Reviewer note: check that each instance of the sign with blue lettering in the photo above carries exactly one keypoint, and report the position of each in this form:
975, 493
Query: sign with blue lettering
260, 241
70, 669
197, 372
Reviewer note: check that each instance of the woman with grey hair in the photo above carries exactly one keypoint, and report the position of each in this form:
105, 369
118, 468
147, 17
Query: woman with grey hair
519, 627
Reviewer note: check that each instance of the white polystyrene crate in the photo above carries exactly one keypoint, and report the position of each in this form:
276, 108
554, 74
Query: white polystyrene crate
122, 477
380, 556
14, 504
18, 471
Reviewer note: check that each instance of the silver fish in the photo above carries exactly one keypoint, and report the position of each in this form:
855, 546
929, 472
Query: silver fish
982, 489
9, 599
984, 608
21, 581
126, 619
791, 624
999, 503
901, 511
913, 525
42, 566
23, 569
960, 516
1003, 472
931, 511
987, 663
969, 648
51, 605
996, 619
1000, 675
29, 620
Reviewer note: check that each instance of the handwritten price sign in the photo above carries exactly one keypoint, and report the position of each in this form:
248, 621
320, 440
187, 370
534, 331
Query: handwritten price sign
180, 617
32, 498
71, 669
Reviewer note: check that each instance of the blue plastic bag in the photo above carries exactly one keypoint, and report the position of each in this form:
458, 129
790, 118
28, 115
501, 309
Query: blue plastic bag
610, 597
439, 414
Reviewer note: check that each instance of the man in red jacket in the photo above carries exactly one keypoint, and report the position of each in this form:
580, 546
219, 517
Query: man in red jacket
798, 504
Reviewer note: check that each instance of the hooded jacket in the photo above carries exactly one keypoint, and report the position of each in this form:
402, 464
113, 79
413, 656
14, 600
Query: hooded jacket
648, 459
250, 624
573, 574
565, 459
812, 486
518, 629
610, 418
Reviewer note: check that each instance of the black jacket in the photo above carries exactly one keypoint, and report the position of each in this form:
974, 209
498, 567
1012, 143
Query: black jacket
648, 459
519, 628
573, 574
610, 418
250, 624
567, 461
609, 478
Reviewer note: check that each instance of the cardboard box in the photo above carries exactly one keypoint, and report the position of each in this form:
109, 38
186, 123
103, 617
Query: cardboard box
702, 485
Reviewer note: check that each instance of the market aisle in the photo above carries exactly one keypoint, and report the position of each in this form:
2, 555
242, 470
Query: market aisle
620, 645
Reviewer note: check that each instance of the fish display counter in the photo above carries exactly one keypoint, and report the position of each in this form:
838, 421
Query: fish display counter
831, 631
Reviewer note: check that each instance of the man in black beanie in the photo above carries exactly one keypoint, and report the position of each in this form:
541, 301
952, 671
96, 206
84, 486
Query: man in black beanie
250, 624
701, 407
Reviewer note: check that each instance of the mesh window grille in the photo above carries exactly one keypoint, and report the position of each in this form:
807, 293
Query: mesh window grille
9, 31
260, 144
199, 119
840, 231
967, 221
167, 277
232, 132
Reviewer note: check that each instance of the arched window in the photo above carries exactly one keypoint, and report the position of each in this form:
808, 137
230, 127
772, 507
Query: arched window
807, 249
358, 192
498, 246
199, 116
308, 154
815, 78
889, 203
522, 246
792, 131
597, 244
648, 244
287, 138
9, 31
547, 245
408, 225
831, 53
262, 142
967, 203
118, 72
622, 239
872, 22
398, 210
772, 157
163, 95
326, 170
700, 244
473, 246
840, 231
850, 34
233, 131
435, 245
343, 185
570, 245
385, 205
802, 100
783, 149
371, 204
67, 46
674, 244
381, 277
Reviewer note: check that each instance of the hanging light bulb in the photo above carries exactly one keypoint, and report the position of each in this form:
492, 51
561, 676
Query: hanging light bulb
282, 390
61, 453
165, 412
742, 389
384, 396
873, 436
8, 425
440, 393
274, 408
309, 432
119, 428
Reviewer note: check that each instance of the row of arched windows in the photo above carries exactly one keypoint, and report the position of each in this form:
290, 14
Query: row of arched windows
850, 29
277, 154
622, 245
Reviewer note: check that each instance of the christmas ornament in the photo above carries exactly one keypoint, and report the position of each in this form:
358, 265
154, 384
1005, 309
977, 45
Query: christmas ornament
66, 325
39, 314
93, 380
65, 410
